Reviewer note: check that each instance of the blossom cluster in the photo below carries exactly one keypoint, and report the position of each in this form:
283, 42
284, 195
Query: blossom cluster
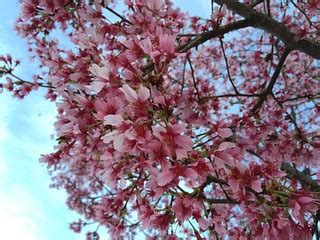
155, 129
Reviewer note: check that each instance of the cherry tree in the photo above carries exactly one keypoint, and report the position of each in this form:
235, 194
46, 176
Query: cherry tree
178, 126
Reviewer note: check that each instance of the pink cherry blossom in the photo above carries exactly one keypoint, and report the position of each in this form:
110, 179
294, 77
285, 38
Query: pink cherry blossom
178, 125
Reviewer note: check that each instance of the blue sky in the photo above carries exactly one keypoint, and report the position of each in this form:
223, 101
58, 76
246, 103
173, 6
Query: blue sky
29, 209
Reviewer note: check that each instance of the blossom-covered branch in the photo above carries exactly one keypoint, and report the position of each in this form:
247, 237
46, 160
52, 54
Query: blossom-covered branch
155, 131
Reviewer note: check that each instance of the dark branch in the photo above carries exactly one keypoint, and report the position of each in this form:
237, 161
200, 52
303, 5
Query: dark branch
227, 66
292, 173
304, 178
268, 24
223, 201
273, 80
193, 77
292, 120
217, 32
206, 36
183, 75
118, 15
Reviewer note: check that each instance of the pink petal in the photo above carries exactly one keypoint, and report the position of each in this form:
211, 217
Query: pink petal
296, 209
234, 184
118, 142
154, 55
103, 72
113, 119
146, 46
181, 153
157, 96
156, 130
154, 4
225, 132
97, 71
96, 86
190, 173
179, 128
226, 145
109, 136
143, 93
256, 186
165, 177
305, 200
167, 43
94, 68
203, 223
130, 94
106, 156
220, 163
130, 134
184, 142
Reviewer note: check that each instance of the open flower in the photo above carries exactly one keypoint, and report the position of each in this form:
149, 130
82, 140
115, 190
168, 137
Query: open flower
116, 136
132, 96
174, 139
101, 73
302, 204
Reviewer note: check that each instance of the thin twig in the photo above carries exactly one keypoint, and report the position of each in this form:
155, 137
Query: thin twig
183, 75
273, 80
303, 12
299, 132
224, 191
193, 78
118, 15
227, 66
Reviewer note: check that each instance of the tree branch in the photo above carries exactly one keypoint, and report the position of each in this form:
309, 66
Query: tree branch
293, 173
223, 201
304, 178
273, 80
227, 66
193, 78
268, 24
206, 36
217, 32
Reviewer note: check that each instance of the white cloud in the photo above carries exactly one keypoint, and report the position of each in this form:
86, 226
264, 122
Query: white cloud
29, 210
21, 215
19, 210
3, 137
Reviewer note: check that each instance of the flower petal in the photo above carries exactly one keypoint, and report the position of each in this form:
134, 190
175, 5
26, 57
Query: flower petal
130, 94
96, 86
118, 142
143, 93
113, 119
226, 145
225, 132
181, 153
184, 142
234, 184
191, 174
164, 178
256, 185
305, 200
109, 136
